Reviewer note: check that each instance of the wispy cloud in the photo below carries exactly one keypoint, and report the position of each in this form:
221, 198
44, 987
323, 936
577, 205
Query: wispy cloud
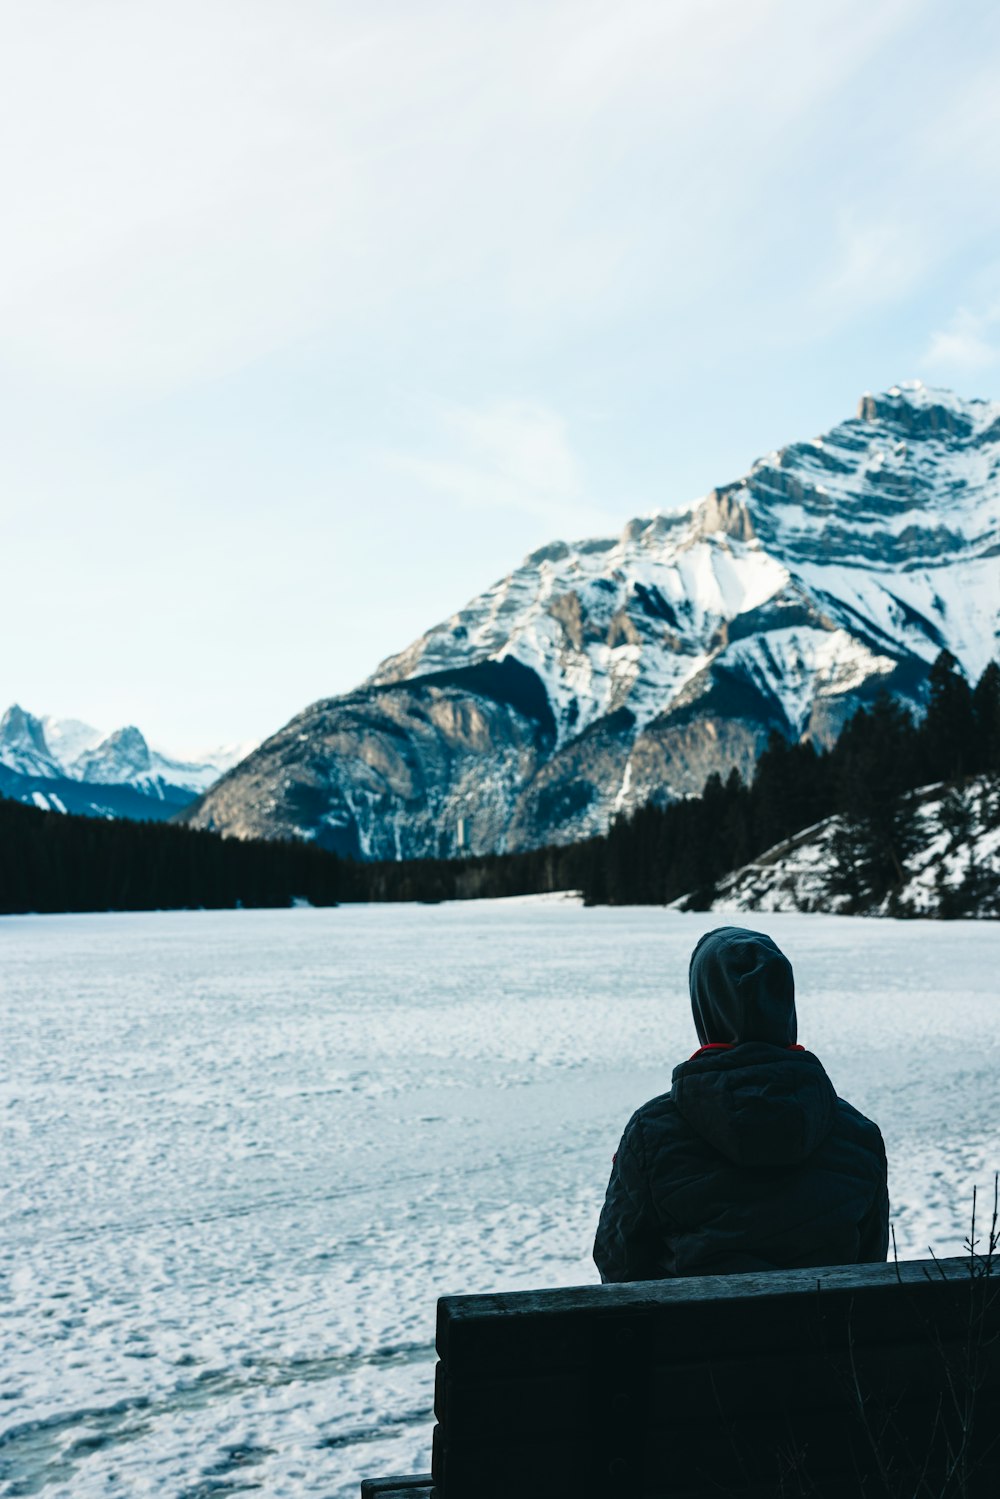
877, 259
970, 343
186, 188
507, 455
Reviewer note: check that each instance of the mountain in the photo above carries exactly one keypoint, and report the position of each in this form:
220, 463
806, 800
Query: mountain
603, 674
954, 870
69, 766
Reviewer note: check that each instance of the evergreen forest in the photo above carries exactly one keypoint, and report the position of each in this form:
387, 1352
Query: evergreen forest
51, 861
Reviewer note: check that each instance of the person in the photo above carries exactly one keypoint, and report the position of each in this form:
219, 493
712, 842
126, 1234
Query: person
751, 1161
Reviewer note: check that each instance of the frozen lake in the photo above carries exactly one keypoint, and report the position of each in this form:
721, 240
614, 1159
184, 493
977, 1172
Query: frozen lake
245, 1151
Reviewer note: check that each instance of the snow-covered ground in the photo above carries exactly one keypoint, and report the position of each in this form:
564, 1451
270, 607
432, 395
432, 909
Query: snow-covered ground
244, 1152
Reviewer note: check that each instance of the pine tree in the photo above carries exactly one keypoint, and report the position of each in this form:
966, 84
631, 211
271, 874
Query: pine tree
956, 816
949, 733
878, 832
986, 717
771, 783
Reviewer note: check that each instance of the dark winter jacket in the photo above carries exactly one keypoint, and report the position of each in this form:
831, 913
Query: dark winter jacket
751, 1161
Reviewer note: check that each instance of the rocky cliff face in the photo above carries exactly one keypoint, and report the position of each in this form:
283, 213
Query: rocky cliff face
602, 674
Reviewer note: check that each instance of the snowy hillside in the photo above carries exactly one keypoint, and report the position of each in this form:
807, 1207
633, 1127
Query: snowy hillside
604, 673
955, 870
69, 766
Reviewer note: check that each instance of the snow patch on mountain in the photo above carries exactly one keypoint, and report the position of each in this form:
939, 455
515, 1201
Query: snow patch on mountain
923, 609
796, 665
591, 620
68, 738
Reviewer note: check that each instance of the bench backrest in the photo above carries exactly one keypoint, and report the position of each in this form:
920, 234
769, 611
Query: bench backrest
847, 1381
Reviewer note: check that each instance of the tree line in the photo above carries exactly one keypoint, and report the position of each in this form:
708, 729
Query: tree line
52, 861
55, 861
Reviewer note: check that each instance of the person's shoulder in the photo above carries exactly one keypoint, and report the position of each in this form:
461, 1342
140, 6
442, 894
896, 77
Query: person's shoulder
654, 1108
652, 1118
858, 1127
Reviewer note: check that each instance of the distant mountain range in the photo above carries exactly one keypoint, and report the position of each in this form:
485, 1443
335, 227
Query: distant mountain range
603, 674
67, 766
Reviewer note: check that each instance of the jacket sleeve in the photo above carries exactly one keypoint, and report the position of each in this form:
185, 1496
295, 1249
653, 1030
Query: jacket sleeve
628, 1239
875, 1224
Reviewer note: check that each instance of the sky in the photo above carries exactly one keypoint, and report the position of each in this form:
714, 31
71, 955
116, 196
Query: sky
315, 318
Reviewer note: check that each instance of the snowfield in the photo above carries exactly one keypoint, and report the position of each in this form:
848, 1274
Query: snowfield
245, 1151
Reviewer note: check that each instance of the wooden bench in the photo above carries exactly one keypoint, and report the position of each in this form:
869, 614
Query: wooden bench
850, 1381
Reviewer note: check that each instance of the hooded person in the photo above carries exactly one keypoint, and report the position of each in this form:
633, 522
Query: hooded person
751, 1161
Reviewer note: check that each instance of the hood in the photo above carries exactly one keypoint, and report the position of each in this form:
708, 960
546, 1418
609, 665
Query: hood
760, 1105
742, 989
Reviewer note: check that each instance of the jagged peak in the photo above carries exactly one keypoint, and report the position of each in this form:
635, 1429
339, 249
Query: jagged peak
128, 737
726, 510
18, 717
18, 725
23, 746
123, 754
921, 410
553, 551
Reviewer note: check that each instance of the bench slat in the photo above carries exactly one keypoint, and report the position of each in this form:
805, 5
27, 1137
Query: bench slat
603, 1330
482, 1408
761, 1286
735, 1456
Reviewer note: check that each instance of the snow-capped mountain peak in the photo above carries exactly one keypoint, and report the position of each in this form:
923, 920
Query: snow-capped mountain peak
23, 746
911, 480
866, 516
122, 756
52, 761
603, 673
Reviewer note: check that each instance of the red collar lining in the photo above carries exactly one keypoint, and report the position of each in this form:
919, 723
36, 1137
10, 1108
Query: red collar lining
726, 1046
